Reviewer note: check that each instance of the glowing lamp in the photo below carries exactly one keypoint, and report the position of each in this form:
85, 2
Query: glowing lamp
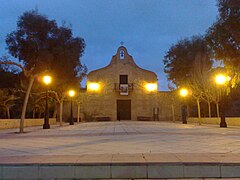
184, 92
47, 79
94, 86
222, 79
71, 93
151, 87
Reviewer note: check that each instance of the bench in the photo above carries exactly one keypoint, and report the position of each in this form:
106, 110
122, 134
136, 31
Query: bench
103, 119
144, 118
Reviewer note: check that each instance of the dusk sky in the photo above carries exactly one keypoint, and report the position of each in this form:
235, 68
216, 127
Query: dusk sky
147, 27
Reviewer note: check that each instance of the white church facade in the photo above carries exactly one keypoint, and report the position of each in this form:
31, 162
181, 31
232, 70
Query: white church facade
124, 91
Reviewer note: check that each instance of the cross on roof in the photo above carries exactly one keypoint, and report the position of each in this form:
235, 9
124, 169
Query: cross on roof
121, 43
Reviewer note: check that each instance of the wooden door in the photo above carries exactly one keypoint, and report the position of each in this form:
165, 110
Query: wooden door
123, 109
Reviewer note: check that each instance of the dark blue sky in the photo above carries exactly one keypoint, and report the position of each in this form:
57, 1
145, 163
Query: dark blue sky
148, 27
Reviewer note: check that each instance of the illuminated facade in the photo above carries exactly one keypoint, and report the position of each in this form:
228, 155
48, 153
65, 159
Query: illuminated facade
124, 91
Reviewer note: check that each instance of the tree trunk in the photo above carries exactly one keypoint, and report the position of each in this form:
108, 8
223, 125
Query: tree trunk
173, 114
61, 112
55, 110
78, 112
217, 106
40, 115
33, 115
199, 108
199, 111
24, 108
8, 112
209, 109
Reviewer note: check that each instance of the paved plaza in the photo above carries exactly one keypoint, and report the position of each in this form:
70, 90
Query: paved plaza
125, 149
124, 137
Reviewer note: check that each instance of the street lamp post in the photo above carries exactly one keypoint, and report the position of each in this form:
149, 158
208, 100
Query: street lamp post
222, 80
71, 93
47, 80
184, 93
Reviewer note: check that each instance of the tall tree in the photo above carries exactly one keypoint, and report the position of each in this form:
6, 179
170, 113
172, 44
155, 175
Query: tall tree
40, 46
186, 64
223, 37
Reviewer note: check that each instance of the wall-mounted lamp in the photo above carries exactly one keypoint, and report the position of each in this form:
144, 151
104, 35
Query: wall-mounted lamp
151, 87
93, 86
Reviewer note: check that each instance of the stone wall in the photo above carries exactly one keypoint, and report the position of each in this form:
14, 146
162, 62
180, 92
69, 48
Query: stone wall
15, 123
100, 104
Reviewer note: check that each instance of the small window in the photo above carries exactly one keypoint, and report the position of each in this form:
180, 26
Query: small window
123, 79
122, 54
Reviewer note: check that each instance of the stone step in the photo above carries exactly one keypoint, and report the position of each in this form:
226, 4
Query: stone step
137, 170
115, 166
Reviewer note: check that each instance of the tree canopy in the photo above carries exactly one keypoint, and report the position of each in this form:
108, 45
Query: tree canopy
41, 46
188, 62
223, 37
180, 61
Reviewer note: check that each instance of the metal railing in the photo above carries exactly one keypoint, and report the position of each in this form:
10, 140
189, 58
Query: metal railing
117, 86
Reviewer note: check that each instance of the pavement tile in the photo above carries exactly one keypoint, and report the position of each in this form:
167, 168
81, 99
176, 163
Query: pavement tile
224, 157
161, 157
20, 159
95, 158
38, 159
56, 159
194, 157
126, 158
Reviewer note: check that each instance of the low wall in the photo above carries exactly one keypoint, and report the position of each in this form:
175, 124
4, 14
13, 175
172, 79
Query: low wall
231, 121
203, 120
15, 123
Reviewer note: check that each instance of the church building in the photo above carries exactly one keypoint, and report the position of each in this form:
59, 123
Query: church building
124, 91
